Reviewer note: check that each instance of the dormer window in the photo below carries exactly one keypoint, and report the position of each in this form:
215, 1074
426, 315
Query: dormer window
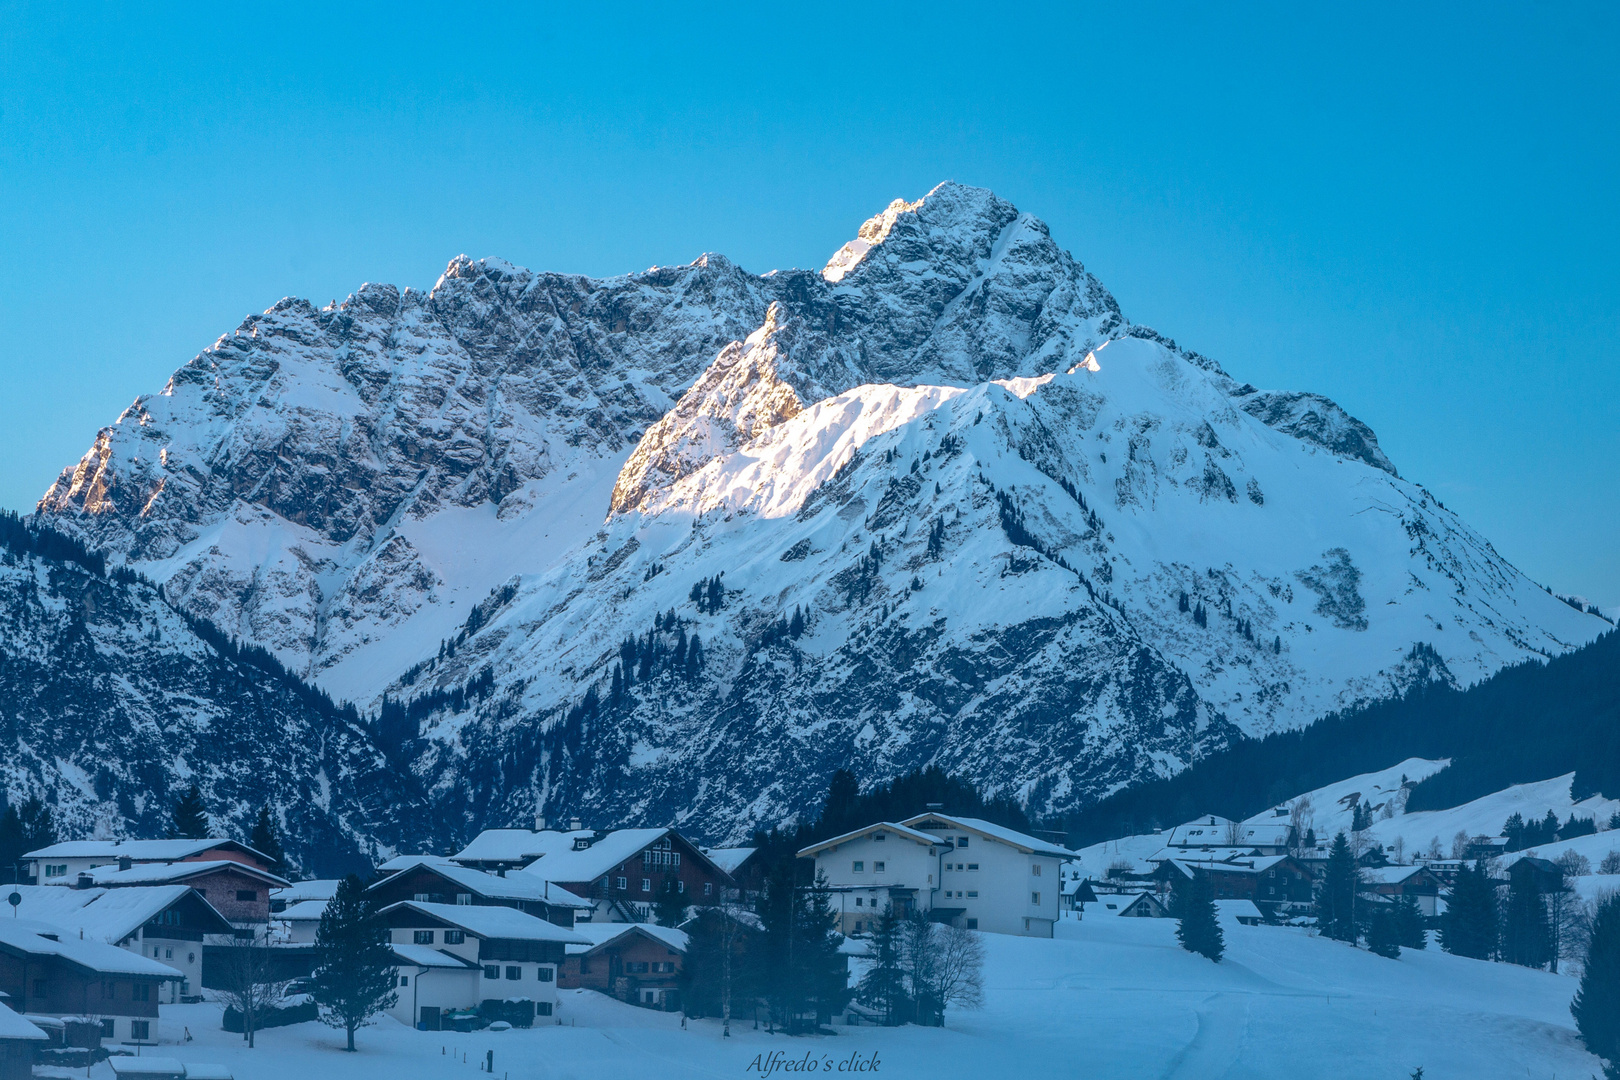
581, 843
961, 842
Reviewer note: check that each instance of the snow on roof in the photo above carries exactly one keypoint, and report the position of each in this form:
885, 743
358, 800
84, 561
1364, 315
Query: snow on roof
14, 1027
1033, 844
146, 1066
304, 911
515, 886
139, 850
596, 860
599, 934
164, 873
877, 826
729, 858
405, 862
205, 1070
492, 922
97, 956
110, 915
1388, 875
422, 956
299, 891
1237, 909
519, 845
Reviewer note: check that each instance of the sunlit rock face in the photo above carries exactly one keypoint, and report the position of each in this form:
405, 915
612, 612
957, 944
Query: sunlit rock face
937, 503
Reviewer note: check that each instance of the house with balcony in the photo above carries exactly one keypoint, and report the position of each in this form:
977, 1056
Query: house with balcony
438, 881
48, 971
622, 872
635, 962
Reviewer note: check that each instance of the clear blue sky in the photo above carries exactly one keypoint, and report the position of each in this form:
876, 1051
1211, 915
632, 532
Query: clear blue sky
1412, 211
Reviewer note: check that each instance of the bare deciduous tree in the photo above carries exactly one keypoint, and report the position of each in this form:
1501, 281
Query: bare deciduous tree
959, 971
249, 984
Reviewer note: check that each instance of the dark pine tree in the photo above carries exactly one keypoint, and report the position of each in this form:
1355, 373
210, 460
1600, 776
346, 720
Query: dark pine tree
1383, 934
1409, 924
669, 906
1468, 927
1198, 930
840, 812
265, 838
191, 817
1596, 1007
1525, 938
1335, 905
354, 967
883, 987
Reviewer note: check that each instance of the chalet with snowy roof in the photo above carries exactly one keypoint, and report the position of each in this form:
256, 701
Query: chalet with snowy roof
47, 970
61, 864
635, 962
436, 881
1077, 893
299, 891
1396, 882
1137, 906
1242, 912
744, 865
1545, 875
237, 890
455, 956
1210, 831
19, 1041
1271, 881
621, 872
163, 922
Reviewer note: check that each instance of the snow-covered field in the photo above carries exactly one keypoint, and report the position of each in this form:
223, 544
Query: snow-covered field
1110, 998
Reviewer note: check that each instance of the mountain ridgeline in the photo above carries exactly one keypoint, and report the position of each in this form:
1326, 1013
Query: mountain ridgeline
676, 546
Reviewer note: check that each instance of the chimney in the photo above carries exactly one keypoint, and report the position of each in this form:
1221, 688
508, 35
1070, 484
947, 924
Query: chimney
85, 881
539, 823
574, 825
125, 862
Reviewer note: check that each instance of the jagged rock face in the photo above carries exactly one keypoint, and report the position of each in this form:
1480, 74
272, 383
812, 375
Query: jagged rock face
345, 486
111, 707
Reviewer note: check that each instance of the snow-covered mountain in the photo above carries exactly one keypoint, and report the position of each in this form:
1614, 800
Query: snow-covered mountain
938, 502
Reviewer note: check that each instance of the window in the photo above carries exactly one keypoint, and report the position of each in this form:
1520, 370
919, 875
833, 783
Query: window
404, 980
622, 884
514, 972
140, 1029
878, 838
464, 899
708, 888
973, 867
857, 926
666, 967
141, 992
542, 1008
492, 971
646, 884
635, 967
545, 974
859, 866
56, 869
961, 841
858, 901
877, 867
168, 954
247, 895
1035, 869
423, 898
973, 924
109, 1028
680, 886
423, 937
1035, 898
972, 893
454, 937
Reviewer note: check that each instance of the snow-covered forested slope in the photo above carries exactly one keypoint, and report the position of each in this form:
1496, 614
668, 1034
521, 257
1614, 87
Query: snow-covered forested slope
112, 706
937, 503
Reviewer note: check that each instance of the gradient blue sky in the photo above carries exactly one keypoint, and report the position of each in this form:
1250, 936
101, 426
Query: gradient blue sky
1412, 211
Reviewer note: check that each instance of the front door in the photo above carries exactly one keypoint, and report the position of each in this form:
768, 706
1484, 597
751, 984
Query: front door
430, 1018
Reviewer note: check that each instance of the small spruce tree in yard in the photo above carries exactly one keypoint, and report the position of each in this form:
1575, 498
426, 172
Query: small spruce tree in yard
1336, 904
883, 987
191, 816
1383, 935
1198, 931
1596, 1007
1409, 930
354, 967
265, 839
1469, 926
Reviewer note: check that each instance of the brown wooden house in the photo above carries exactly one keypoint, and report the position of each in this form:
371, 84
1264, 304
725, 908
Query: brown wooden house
635, 962
43, 971
439, 881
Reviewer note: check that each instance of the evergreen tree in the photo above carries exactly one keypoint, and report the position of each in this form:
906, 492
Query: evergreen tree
1336, 904
354, 967
1409, 929
1469, 926
1596, 1007
1524, 931
883, 987
1513, 829
669, 906
191, 817
840, 811
265, 838
24, 828
1383, 934
1198, 930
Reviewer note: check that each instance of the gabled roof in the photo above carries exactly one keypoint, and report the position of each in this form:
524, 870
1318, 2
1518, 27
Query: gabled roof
14, 1027
729, 858
422, 956
1238, 909
1390, 875
299, 891
166, 873
568, 865
601, 935
1201, 833
1023, 841
141, 850
109, 915
489, 922
519, 845
902, 831
515, 886
405, 862
97, 957
304, 911
1140, 900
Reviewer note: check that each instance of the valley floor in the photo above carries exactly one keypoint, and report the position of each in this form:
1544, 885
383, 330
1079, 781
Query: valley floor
1111, 997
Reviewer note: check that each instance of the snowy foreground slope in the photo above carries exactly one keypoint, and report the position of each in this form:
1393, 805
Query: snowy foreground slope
1110, 998
509, 503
